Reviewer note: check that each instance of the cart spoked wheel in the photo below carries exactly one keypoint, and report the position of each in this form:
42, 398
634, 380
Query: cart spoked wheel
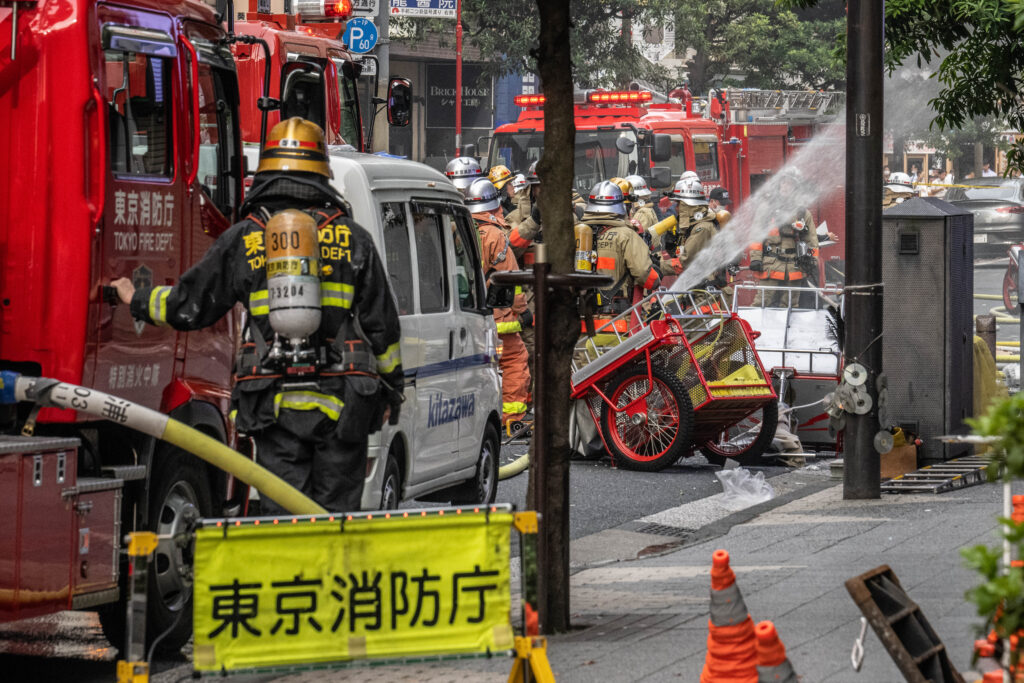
650, 432
1010, 296
747, 440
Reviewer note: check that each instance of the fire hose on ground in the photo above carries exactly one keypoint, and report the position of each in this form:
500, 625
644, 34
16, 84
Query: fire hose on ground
51, 393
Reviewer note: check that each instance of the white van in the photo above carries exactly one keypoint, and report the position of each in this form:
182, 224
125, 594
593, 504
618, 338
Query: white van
446, 442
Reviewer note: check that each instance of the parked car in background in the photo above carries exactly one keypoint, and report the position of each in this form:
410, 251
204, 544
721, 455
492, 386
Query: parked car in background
998, 208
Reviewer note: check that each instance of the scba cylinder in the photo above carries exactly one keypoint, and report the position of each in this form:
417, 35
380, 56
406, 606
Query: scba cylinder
584, 248
293, 274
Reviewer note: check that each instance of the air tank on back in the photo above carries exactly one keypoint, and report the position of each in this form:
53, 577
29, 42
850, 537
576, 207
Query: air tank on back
293, 275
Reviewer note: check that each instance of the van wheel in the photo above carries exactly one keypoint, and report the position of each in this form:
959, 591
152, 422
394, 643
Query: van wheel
391, 489
179, 493
482, 489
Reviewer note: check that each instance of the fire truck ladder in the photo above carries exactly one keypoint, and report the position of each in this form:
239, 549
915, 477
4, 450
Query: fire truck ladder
792, 103
945, 476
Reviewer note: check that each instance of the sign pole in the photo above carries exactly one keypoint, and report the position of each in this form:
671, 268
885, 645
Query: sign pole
458, 78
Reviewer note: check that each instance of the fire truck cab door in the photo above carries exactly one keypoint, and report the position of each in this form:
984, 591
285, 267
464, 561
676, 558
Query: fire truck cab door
140, 236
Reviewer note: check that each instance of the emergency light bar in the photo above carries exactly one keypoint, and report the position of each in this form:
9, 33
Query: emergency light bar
528, 100
593, 97
324, 9
619, 97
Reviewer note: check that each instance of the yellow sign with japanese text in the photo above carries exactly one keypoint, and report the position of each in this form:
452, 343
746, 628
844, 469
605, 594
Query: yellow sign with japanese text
319, 590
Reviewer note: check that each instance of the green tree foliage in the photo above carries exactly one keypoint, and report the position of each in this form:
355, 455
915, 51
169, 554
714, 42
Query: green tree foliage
771, 47
506, 34
1000, 596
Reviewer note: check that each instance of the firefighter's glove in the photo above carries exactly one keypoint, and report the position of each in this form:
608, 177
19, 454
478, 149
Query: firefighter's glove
526, 318
756, 266
535, 213
671, 243
579, 210
733, 269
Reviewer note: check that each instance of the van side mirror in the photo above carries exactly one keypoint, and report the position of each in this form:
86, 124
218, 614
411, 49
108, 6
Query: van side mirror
661, 147
661, 176
468, 150
399, 102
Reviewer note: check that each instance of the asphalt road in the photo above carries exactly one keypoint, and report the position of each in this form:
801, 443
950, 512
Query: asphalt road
70, 646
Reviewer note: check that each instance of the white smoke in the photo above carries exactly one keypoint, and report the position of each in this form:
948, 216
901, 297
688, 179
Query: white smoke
820, 169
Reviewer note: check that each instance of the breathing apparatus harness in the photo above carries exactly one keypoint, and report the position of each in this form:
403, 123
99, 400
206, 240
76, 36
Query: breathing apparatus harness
295, 291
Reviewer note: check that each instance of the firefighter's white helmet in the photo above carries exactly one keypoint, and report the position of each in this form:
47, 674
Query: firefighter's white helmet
482, 196
462, 171
899, 182
690, 192
640, 189
606, 197
689, 175
519, 183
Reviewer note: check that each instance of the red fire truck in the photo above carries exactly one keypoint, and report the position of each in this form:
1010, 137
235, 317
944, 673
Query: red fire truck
736, 139
311, 74
122, 157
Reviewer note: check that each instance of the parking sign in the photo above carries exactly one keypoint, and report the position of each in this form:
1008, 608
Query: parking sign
360, 35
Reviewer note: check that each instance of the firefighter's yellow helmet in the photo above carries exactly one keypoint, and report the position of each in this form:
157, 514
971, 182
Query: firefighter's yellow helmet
295, 145
625, 186
499, 175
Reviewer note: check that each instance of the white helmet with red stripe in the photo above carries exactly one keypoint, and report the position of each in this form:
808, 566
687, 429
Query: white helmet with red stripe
690, 192
606, 197
462, 171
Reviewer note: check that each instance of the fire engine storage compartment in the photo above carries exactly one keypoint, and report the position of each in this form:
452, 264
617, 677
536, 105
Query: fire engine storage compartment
928, 324
59, 533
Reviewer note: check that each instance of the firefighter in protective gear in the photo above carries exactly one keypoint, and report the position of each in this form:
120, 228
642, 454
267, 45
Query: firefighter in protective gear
787, 257
501, 177
642, 211
897, 190
621, 253
695, 227
462, 171
524, 221
310, 420
482, 201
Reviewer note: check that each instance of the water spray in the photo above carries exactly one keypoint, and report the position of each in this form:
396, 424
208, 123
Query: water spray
821, 166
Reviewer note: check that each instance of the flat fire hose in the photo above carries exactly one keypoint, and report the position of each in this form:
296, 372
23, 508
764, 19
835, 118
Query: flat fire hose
53, 394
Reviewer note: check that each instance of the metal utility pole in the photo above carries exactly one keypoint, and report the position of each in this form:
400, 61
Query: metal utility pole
863, 293
458, 78
383, 69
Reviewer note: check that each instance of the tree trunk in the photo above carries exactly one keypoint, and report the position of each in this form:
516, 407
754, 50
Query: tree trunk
698, 73
979, 158
556, 171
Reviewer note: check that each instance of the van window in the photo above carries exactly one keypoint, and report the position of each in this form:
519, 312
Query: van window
705, 156
430, 260
398, 254
467, 263
138, 95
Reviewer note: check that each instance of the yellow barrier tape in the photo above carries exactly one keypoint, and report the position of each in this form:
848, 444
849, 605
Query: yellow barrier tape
303, 592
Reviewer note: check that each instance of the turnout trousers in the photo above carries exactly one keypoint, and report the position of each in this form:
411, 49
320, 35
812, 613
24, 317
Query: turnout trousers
304, 449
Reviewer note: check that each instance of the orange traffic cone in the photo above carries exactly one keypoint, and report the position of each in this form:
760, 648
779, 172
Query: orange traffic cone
772, 665
732, 653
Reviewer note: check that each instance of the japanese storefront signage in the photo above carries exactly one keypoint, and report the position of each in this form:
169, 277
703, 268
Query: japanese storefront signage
477, 109
271, 594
